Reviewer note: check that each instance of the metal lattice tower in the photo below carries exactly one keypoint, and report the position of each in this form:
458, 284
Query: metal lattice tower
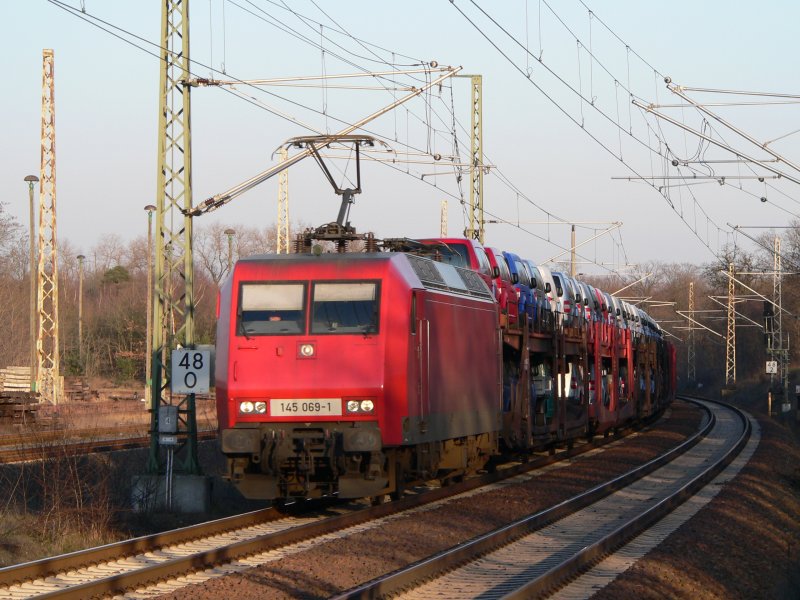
730, 339
691, 373
476, 223
443, 220
283, 208
48, 379
173, 294
776, 295
777, 298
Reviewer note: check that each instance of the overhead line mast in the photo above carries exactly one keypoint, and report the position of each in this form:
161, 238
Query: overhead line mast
173, 297
282, 241
691, 374
475, 230
730, 338
47, 371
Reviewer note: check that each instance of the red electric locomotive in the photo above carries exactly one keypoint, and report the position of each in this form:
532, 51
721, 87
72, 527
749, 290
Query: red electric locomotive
349, 374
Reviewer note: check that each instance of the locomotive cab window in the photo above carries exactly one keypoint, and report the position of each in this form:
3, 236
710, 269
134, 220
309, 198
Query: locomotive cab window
272, 309
452, 254
347, 307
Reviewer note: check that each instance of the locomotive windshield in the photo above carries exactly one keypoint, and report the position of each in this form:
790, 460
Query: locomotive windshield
453, 254
272, 309
348, 307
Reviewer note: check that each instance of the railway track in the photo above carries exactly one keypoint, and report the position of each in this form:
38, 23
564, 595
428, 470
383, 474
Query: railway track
533, 557
55, 444
131, 564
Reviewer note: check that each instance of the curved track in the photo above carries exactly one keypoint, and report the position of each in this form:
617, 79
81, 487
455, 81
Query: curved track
535, 555
130, 564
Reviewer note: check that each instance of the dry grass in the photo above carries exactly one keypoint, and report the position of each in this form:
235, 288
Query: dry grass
66, 501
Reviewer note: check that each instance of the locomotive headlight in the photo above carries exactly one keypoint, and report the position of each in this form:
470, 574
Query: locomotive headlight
306, 350
246, 407
261, 407
360, 406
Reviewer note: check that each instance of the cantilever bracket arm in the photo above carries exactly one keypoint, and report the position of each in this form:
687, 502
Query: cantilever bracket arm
214, 202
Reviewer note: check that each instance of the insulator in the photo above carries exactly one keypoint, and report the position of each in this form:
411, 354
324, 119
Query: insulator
371, 243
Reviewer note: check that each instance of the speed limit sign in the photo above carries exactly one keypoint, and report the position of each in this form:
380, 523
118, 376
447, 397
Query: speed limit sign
191, 371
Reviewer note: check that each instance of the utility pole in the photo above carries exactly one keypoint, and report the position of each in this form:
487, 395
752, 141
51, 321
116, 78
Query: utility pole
443, 220
691, 374
47, 371
31, 179
282, 244
173, 297
730, 339
475, 231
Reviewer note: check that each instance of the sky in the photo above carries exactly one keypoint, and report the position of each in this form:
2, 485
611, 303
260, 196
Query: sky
551, 156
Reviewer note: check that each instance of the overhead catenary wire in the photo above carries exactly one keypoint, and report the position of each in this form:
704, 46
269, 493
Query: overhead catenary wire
563, 110
110, 29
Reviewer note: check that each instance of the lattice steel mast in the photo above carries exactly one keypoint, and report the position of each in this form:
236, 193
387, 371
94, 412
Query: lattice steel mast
730, 339
777, 298
173, 298
47, 371
283, 208
691, 373
475, 230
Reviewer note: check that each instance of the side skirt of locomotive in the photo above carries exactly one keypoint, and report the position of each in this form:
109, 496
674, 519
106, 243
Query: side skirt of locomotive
346, 459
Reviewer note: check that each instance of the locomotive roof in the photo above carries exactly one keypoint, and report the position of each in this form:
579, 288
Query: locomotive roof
325, 256
432, 275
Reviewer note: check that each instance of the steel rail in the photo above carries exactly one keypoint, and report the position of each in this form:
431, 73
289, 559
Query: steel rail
594, 552
81, 558
436, 565
60, 447
47, 434
200, 560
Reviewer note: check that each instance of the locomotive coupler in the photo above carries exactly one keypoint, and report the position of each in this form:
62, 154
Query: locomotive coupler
305, 459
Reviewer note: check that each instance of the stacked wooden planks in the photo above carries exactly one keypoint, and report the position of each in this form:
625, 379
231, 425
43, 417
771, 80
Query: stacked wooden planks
18, 404
15, 379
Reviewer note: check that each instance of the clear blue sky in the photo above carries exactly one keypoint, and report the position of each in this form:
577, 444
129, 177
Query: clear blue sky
106, 96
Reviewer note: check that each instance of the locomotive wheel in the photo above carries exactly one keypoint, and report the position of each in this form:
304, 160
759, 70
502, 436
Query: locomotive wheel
377, 500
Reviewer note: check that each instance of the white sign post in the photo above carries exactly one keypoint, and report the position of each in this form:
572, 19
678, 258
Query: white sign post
772, 366
191, 371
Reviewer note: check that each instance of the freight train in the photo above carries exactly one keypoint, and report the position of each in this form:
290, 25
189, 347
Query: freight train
357, 373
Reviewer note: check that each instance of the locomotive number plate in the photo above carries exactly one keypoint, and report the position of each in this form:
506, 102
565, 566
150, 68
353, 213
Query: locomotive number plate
279, 407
